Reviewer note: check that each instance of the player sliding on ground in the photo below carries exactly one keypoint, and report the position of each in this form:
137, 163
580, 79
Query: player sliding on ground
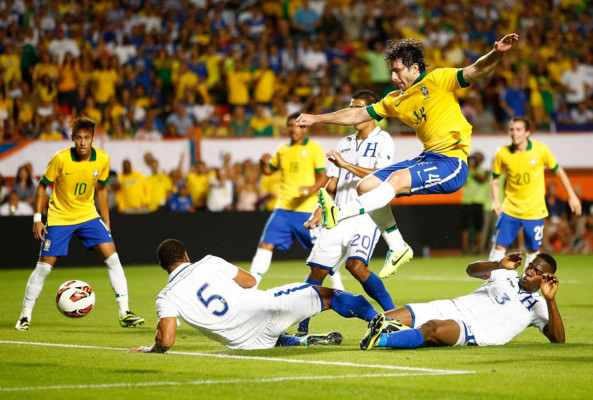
218, 299
503, 307
426, 101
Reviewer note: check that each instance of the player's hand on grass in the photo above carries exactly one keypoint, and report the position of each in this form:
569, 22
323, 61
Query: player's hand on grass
39, 230
549, 285
506, 43
511, 261
314, 220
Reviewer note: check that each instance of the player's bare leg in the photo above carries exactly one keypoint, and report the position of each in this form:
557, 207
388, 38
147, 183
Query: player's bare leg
119, 284
33, 290
372, 285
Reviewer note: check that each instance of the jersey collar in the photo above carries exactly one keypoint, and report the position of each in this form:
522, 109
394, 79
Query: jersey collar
529, 146
301, 144
75, 157
422, 75
178, 270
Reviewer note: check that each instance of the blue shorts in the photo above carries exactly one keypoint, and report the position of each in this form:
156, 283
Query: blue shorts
507, 228
91, 233
432, 173
284, 226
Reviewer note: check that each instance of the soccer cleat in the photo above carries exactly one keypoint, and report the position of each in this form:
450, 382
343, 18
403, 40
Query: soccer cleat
329, 209
22, 324
130, 320
390, 326
394, 259
328, 339
373, 333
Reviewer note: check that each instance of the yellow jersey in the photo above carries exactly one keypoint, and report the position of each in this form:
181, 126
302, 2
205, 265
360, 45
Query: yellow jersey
73, 199
198, 186
134, 191
159, 187
431, 108
298, 165
270, 186
525, 185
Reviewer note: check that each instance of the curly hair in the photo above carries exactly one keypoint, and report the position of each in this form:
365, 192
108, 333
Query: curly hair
83, 124
409, 51
170, 251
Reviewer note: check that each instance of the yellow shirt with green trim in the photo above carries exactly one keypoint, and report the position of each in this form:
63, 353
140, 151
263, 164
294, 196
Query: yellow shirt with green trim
73, 199
298, 165
159, 187
525, 185
431, 108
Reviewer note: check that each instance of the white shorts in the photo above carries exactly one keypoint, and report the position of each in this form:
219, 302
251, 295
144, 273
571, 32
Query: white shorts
442, 310
289, 305
352, 238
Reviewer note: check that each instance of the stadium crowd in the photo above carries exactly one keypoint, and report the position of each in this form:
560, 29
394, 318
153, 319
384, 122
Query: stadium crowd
149, 69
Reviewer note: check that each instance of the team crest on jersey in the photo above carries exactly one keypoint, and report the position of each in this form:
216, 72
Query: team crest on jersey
304, 153
424, 91
95, 173
533, 161
46, 244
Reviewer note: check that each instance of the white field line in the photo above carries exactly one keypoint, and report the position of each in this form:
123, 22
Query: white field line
286, 360
213, 382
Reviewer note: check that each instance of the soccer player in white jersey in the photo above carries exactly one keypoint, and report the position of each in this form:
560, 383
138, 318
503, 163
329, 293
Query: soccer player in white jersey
218, 299
353, 240
503, 307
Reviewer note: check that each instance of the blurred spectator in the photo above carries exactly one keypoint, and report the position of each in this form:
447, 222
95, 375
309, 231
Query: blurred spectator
180, 201
514, 100
182, 121
305, 20
67, 80
14, 206
264, 82
269, 189
483, 120
472, 201
61, 45
379, 69
582, 226
133, 194
220, 197
260, 124
48, 133
239, 78
24, 185
575, 83
159, 188
3, 189
248, 192
556, 231
240, 124
581, 114
148, 131
198, 184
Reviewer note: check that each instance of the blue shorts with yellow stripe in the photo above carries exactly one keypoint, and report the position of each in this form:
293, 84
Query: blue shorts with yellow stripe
91, 233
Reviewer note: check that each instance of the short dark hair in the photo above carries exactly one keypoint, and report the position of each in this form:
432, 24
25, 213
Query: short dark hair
83, 124
170, 251
294, 115
549, 260
409, 51
368, 96
526, 122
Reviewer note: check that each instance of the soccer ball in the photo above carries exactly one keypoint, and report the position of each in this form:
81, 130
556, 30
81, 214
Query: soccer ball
75, 299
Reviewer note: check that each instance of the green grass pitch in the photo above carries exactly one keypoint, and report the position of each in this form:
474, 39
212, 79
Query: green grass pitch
527, 368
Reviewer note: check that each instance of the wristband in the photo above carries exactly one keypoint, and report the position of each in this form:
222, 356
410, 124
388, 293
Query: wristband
36, 217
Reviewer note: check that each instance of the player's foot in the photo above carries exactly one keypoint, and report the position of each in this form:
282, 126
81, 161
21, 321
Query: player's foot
373, 333
328, 339
22, 324
329, 209
394, 259
130, 320
390, 326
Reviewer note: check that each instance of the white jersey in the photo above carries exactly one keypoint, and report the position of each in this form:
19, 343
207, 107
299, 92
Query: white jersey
205, 295
375, 151
496, 312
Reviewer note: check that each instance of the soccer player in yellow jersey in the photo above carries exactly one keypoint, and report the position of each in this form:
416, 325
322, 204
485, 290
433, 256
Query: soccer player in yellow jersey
523, 162
427, 102
76, 171
302, 167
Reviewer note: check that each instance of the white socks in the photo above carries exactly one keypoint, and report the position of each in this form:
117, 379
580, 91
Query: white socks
336, 280
118, 283
260, 264
34, 287
384, 220
370, 201
496, 255
529, 257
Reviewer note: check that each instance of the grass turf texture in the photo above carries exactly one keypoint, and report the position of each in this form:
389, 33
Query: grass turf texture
527, 368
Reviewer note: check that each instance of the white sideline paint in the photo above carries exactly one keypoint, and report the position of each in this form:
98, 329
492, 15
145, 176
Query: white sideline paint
410, 371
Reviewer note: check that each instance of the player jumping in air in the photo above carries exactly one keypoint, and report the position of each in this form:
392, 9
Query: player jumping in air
76, 172
426, 101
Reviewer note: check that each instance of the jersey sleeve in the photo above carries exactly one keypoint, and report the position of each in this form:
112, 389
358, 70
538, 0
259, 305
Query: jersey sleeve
449, 79
549, 159
223, 267
386, 151
52, 170
540, 315
498, 166
384, 108
275, 161
165, 307
104, 174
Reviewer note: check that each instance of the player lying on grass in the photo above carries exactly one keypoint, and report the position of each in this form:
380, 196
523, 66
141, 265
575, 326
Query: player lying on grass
218, 299
494, 314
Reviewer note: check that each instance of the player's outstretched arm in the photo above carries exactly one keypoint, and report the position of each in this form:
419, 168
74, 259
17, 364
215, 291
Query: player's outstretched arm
485, 64
573, 201
245, 279
495, 192
164, 339
482, 269
554, 331
345, 116
38, 226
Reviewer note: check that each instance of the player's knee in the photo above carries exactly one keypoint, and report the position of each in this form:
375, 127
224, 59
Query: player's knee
430, 330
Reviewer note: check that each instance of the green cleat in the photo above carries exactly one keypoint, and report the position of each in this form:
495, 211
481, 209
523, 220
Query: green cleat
393, 326
394, 259
328, 339
373, 334
22, 324
130, 320
329, 209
